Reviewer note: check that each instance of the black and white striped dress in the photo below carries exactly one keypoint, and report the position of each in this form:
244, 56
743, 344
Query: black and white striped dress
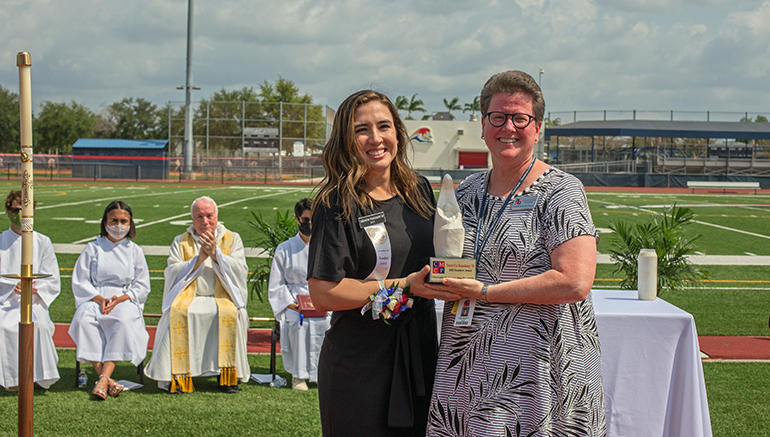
521, 370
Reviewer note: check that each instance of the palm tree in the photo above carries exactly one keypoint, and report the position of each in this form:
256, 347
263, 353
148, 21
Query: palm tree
415, 105
452, 106
473, 107
402, 104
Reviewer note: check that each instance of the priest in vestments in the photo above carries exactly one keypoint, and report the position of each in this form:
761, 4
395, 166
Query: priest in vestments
203, 330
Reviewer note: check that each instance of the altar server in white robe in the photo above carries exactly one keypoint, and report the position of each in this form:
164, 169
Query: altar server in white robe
203, 330
44, 291
301, 338
111, 282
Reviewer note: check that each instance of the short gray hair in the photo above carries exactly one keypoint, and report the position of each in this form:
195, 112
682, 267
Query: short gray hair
205, 199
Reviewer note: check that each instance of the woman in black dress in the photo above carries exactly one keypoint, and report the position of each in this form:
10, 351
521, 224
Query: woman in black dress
374, 377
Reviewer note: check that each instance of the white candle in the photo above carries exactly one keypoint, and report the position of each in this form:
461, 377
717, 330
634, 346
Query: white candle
648, 274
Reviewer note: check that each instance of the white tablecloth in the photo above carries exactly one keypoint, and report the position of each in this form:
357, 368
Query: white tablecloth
653, 377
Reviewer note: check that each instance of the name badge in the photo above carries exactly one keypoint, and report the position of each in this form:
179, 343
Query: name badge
524, 203
371, 220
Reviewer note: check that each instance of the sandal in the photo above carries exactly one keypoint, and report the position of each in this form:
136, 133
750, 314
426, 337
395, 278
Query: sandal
114, 388
100, 389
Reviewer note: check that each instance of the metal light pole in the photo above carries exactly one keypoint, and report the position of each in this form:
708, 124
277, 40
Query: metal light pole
187, 172
539, 145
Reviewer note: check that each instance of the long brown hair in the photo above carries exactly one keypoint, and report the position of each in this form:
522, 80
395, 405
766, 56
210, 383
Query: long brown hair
346, 168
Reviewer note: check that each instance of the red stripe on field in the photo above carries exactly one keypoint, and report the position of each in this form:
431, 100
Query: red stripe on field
736, 348
258, 339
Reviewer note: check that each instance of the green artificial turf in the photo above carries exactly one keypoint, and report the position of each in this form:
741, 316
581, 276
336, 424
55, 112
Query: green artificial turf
734, 301
257, 410
737, 397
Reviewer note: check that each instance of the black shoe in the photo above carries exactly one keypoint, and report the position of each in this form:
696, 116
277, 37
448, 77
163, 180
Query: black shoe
229, 389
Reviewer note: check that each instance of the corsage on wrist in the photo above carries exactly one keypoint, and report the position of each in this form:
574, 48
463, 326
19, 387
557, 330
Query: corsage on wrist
388, 303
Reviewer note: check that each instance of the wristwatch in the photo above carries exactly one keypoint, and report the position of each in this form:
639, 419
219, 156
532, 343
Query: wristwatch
484, 293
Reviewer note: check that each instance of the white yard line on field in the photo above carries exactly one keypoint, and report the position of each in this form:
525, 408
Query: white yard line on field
740, 231
83, 202
709, 260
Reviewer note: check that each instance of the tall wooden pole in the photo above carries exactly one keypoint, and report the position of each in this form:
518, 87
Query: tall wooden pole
26, 325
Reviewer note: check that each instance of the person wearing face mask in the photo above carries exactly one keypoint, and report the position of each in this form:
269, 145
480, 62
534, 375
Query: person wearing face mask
111, 282
44, 291
301, 337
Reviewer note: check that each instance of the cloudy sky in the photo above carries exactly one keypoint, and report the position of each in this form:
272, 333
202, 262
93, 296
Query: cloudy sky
684, 55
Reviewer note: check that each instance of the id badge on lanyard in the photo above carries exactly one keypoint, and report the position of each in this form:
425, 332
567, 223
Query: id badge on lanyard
463, 309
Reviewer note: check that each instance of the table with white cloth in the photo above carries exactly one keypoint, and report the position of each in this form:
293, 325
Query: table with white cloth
651, 365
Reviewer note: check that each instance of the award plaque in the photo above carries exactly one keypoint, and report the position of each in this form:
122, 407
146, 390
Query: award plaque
448, 238
458, 268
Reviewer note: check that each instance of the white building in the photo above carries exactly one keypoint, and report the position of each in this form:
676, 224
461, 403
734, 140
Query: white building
447, 145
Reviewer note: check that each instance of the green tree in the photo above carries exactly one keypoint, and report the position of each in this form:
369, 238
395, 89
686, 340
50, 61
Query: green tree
415, 105
760, 119
132, 119
552, 123
278, 105
59, 125
9, 121
227, 113
452, 106
474, 106
164, 113
402, 103
284, 90
298, 119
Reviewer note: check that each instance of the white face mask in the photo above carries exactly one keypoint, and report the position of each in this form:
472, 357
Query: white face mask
117, 232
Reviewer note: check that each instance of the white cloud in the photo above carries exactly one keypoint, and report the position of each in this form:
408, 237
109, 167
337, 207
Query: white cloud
597, 54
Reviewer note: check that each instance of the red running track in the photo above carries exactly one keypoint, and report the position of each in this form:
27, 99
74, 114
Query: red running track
258, 342
727, 348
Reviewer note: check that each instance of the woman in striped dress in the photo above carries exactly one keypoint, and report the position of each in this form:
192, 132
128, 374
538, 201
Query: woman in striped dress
528, 363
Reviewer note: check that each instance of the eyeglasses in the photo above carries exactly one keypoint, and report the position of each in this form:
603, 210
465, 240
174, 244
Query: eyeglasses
303, 219
520, 119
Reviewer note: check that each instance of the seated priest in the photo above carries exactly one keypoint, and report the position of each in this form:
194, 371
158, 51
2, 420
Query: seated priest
203, 329
44, 291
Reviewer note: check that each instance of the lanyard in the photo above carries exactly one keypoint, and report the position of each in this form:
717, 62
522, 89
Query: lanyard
476, 248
